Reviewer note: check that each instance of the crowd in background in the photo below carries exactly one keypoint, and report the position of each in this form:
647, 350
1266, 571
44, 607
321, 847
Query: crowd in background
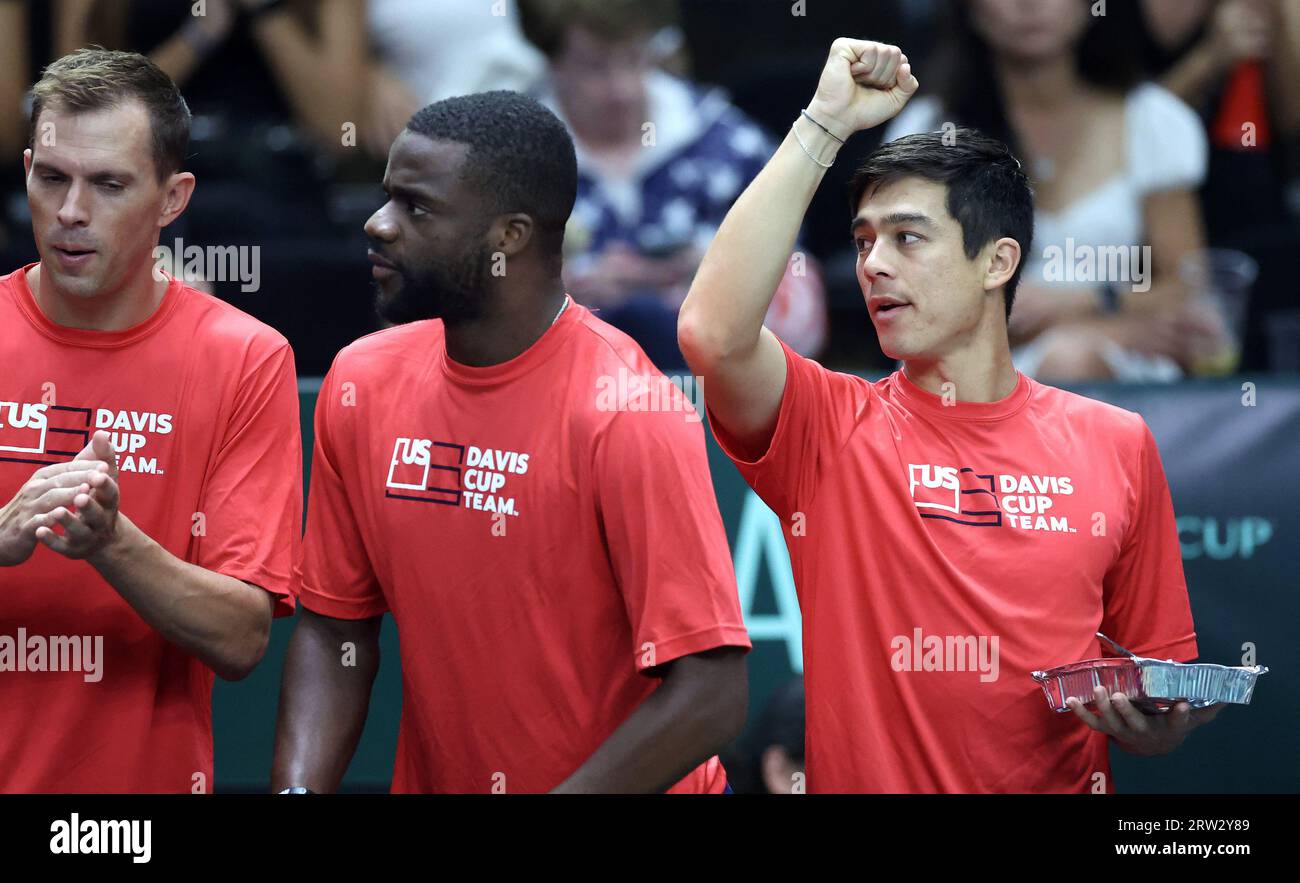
1163, 123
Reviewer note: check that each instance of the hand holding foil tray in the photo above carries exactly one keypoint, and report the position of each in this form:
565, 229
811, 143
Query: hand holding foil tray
1153, 685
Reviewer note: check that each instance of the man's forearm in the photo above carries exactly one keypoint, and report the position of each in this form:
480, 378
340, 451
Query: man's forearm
222, 621
323, 703
328, 94
743, 266
680, 725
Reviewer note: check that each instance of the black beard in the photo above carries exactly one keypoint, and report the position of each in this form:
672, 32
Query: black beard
453, 293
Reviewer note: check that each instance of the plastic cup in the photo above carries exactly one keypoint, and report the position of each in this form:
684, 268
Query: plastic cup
1220, 280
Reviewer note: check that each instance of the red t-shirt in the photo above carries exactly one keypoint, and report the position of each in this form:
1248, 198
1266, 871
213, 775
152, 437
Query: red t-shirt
201, 400
930, 541
538, 547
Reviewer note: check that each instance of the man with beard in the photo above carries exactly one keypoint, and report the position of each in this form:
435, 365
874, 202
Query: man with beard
552, 554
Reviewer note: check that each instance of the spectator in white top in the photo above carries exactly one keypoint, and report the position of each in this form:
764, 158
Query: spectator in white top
428, 50
1115, 163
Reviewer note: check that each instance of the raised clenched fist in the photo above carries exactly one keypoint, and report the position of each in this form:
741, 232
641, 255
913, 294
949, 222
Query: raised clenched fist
862, 85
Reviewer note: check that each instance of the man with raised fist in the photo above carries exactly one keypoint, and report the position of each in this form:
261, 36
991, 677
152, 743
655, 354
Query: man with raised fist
955, 525
150, 457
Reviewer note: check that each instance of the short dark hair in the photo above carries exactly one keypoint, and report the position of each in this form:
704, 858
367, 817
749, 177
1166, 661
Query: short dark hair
988, 193
95, 79
521, 157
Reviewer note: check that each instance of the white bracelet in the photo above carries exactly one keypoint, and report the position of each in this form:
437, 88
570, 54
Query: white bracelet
824, 165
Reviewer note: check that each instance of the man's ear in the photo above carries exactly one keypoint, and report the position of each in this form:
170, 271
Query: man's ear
1002, 262
27, 162
180, 187
510, 234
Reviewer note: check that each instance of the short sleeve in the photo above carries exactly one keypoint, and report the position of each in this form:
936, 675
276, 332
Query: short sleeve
1146, 608
818, 411
1167, 147
337, 577
920, 115
664, 534
252, 496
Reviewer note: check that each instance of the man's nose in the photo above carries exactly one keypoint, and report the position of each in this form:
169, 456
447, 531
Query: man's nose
875, 262
73, 211
380, 226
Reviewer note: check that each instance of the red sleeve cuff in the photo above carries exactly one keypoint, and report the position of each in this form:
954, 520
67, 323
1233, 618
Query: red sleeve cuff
340, 608
695, 642
278, 587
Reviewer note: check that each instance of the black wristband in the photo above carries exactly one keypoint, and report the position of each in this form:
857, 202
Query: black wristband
820, 126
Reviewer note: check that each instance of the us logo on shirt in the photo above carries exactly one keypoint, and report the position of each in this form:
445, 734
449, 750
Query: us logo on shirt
451, 474
44, 434
986, 499
959, 495
40, 433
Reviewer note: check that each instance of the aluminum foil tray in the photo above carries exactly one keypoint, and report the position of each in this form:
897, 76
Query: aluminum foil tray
1153, 685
